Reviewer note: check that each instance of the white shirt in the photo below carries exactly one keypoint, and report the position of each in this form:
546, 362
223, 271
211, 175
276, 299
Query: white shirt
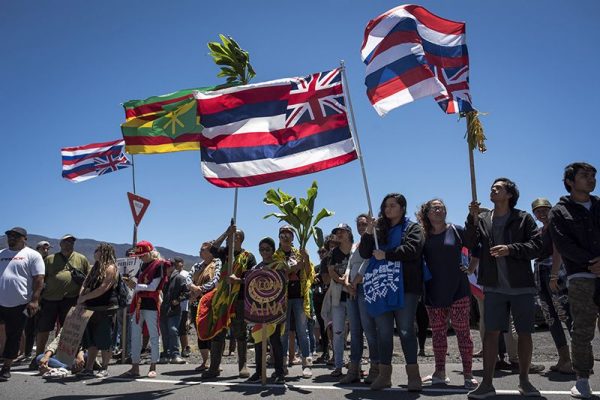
17, 269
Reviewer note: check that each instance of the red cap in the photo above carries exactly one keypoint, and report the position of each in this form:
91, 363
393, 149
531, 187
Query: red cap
142, 248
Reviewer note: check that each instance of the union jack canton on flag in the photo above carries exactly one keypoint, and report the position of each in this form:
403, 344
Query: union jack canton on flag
81, 163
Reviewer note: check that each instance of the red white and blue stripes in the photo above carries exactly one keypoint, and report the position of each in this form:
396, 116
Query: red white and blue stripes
81, 163
259, 133
411, 53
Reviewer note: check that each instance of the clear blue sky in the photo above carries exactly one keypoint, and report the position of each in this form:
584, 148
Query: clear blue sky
68, 65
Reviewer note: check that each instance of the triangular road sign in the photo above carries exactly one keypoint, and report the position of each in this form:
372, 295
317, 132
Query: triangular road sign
138, 205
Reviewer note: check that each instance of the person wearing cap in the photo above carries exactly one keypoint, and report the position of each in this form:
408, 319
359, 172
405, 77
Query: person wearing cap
300, 279
21, 282
232, 281
184, 326
447, 293
144, 307
60, 289
43, 247
508, 240
555, 305
337, 263
575, 231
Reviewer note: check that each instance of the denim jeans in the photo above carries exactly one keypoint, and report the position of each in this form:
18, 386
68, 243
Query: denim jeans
405, 320
52, 362
368, 326
169, 332
312, 344
297, 305
356, 330
338, 315
151, 319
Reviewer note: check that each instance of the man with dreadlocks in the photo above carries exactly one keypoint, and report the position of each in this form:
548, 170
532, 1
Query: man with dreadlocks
99, 294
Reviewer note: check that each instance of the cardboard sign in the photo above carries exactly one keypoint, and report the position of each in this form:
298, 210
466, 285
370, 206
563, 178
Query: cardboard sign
265, 299
71, 334
138, 206
129, 266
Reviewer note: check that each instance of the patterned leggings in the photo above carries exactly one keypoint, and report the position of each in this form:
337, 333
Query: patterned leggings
459, 313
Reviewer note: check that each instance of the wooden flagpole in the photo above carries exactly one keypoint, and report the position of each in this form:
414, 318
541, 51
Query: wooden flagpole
232, 241
354, 134
475, 138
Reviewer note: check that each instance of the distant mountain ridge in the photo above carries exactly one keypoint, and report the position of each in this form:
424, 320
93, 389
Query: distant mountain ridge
87, 247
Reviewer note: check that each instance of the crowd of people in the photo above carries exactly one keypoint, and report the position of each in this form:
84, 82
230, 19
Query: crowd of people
368, 284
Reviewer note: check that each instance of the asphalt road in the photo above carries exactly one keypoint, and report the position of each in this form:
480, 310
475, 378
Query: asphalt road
182, 382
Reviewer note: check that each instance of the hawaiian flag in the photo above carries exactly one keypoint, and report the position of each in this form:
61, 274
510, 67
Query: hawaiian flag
259, 133
86, 162
411, 53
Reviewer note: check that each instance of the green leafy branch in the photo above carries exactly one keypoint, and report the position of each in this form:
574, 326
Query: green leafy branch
299, 213
234, 61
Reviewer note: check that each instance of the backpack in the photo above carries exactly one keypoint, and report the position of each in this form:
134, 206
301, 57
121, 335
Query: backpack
122, 293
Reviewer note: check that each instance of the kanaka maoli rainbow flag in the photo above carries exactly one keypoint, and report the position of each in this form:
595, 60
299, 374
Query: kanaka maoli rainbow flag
259, 133
411, 53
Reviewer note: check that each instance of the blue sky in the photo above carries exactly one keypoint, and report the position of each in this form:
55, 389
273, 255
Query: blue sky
68, 65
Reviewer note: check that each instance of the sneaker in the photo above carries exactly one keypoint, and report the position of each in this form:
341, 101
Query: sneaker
278, 379
323, 358
255, 378
103, 373
86, 373
503, 365
306, 372
528, 390
436, 380
4, 374
177, 360
336, 373
163, 360
582, 389
471, 383
482, 392
186, 352
33, 365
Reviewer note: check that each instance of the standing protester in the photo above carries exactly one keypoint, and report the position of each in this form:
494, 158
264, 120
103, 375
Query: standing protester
509, 241
205, 276
447, 293
65, 272
21, 282
300, 278
555, 306
575, 230
43, 247
360, 320
320, 287
99, 294
266, 247
184, 326
401, 243
174, 292
242, 262
337, 264
145, 305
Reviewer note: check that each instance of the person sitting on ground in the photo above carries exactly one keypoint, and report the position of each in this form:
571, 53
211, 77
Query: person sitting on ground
47, 361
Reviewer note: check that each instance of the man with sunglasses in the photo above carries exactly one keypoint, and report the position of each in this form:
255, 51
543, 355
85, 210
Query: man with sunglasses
21, 282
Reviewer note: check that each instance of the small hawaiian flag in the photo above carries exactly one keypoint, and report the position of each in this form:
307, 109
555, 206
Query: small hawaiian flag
81, 163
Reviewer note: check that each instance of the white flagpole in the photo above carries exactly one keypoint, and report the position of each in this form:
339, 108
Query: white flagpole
354, 134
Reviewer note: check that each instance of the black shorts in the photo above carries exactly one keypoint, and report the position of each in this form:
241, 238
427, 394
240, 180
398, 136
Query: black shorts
99, 330
499, 307
53, 311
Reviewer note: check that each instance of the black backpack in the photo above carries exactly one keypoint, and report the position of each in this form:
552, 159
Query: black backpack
122, 293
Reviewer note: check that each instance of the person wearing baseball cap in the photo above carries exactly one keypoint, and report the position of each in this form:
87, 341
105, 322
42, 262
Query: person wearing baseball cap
22, 280
552, 292
43, 247
63, 281
144, 306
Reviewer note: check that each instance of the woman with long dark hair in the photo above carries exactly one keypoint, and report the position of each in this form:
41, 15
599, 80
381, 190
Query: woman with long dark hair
447, 293
399, 258
99, 293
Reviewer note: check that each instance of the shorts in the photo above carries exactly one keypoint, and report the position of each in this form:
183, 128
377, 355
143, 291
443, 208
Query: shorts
51, 311
99, 330
184, 326
498, 307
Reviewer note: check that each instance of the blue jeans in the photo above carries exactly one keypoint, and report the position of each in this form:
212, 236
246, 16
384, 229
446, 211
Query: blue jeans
338, 315
367, 325
405, 320
312, 345
297, 305
169, 331
52, 362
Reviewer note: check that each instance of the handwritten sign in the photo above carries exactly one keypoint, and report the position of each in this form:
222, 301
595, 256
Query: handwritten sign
129, 266
266, 298
71, 334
